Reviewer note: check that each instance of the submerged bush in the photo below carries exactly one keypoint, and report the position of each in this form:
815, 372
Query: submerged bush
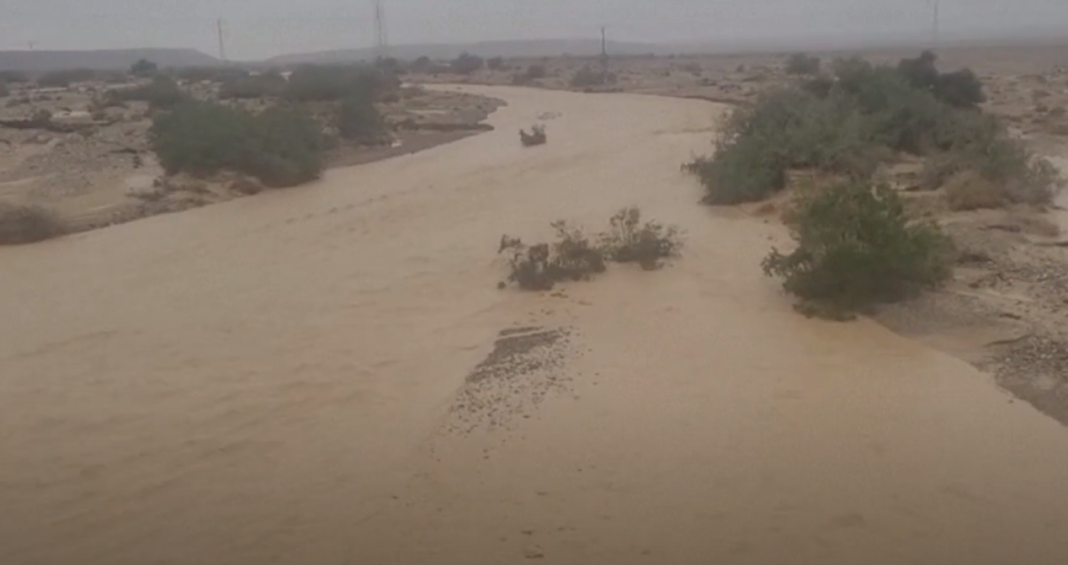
27, 224
856, 247
541, 266
628, 240
281, 146
574, 257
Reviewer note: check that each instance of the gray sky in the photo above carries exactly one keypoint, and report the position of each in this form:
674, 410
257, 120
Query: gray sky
261, 28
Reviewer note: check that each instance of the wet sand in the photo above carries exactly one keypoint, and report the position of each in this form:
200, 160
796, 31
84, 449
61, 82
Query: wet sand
284, 379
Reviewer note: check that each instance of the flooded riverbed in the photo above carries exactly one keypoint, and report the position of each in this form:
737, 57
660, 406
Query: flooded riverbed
292, 378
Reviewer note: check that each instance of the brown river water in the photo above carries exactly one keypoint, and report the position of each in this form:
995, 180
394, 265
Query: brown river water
285, 379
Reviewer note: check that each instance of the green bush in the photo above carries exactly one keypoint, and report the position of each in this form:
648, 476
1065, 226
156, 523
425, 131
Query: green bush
802, 64
466, 64
960, 89
211, 74
63, 79
27, 224
281, 146
13, 77
628, 240
856, 247
421, 65
314, 83
359, 121
847, 122
574, 257
143, 68
588, 77
162, 92
495, 63
266, 85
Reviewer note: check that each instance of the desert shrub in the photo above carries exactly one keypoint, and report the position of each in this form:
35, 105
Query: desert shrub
1006, 165
960, 89
162, 92
266, 85
541, 266
857, 247
628, 240
802, 64
211, 74
421, 65
785, 129
143, 68
27, 224
535, 72
588, 76
495, 63
536, 136
359, 120
466, 64
310, 83
14, 77
4, 91
574, 257
63, 79
281, 146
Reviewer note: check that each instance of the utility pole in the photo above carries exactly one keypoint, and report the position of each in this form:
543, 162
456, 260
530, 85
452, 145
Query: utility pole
934, 26
222, 42
604, 55
381, 38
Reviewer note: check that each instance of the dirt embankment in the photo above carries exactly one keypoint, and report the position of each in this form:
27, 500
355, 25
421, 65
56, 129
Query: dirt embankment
62, 150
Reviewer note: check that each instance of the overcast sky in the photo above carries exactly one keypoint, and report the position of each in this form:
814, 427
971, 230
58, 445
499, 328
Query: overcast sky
261, 28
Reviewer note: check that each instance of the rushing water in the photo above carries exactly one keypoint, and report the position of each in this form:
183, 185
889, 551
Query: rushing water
281, 379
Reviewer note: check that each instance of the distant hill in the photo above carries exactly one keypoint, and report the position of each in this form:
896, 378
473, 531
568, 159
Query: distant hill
112, 59
532, 48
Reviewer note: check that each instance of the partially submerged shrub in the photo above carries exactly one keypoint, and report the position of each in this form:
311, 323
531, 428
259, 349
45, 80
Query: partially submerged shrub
539, 267
281, 146
802, 64
857, 247
535, 137
628, 240
27, 224
573, 257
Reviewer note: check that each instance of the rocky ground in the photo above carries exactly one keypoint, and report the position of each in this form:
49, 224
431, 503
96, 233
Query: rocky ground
93, 166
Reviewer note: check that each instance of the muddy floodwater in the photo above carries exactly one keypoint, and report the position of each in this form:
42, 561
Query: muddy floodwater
329, 375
